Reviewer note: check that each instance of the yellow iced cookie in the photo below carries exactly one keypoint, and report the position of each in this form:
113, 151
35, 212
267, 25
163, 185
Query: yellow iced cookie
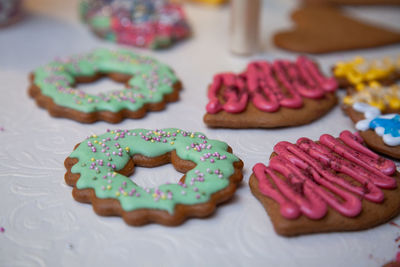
361, 70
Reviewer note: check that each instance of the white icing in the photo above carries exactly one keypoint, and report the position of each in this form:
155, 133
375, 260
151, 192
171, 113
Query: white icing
380, 131
363, 125
371, 113
390, 140
387, 116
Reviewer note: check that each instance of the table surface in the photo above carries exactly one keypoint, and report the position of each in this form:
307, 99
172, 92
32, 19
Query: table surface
45, 226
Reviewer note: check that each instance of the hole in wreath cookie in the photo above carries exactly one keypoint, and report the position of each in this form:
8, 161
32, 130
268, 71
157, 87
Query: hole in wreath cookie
153, 172
154, 177
102, 84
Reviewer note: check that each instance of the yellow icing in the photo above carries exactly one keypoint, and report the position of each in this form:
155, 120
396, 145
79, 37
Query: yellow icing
394, 103
381, 97
360, 70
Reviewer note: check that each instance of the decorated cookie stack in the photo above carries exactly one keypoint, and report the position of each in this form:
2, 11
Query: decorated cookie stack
373, 101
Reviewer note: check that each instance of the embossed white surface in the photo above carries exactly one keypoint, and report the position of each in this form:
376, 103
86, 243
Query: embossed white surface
44, 226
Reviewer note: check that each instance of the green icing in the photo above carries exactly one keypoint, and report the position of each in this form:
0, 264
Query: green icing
100, 158
100, 22
150, 81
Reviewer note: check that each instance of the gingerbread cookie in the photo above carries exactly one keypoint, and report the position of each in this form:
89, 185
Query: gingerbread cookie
392, 264
360, 71
99, 166
323, 29
380, 132
151, 24
149, 86
325, 186
267, 95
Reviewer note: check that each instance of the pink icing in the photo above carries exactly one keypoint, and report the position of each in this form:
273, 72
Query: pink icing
234, 95
312, 182
269, 86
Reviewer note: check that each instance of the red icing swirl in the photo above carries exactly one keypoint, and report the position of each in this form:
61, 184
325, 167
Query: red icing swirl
313, 176
269, 86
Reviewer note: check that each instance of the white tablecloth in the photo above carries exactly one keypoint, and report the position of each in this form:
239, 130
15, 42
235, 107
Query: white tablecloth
45, 226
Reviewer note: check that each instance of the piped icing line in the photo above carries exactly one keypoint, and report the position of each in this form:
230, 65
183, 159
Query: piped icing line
365, 165
312, 176
214, 106
355, 141
297, 79
150, 80
387, 126
269, 86
269, 103
101, 157
261, 81
236, 97
313, 76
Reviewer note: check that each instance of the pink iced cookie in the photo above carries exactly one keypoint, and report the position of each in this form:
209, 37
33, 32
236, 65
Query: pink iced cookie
335, 184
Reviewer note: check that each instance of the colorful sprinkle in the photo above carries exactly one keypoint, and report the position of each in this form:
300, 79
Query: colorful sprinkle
114, 185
